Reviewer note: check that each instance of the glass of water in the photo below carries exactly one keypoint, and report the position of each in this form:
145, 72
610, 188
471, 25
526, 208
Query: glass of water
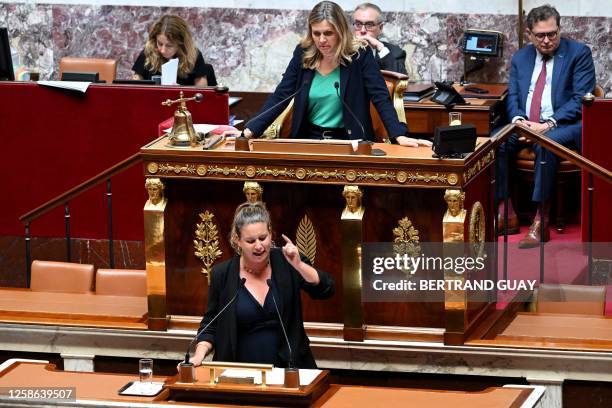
145, 370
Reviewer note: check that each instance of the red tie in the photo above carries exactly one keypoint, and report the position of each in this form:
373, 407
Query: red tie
536, 100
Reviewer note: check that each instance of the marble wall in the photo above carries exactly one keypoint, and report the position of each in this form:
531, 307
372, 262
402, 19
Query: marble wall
250, 47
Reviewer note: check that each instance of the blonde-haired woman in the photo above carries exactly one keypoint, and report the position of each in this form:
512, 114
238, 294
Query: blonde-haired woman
170, 38
328, 67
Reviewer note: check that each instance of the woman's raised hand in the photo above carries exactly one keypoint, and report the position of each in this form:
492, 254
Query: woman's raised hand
291, 252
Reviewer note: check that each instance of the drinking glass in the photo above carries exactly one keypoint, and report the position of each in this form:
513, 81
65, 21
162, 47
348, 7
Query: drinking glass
454, 118
145, 370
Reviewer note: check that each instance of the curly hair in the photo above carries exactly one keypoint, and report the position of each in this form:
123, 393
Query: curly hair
176, 30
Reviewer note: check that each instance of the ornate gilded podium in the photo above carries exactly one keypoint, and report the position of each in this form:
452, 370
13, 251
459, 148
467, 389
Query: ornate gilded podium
328, 204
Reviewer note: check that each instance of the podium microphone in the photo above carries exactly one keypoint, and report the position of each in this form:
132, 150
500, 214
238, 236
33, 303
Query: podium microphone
337, 86
292, 374
185, 367
276, 105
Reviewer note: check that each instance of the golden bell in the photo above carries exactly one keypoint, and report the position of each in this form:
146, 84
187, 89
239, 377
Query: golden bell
183, 132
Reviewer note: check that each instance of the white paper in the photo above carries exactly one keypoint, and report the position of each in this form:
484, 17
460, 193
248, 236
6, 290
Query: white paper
71, 85
199, 128
232, 100
169, 72
143, 388
274, 377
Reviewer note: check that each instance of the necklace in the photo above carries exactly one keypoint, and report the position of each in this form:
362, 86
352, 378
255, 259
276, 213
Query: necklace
253, 271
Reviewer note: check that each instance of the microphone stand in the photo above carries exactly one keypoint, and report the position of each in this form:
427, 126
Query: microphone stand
186, 368
292, 374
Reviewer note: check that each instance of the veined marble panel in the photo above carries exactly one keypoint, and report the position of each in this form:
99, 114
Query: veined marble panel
250, 48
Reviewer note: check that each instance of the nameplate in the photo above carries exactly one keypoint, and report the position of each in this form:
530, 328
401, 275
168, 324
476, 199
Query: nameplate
303, 146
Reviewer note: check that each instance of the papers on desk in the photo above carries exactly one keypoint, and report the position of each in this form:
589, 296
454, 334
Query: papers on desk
276, 376
199, 128
70, 85
169, 72
232, 100
142, 389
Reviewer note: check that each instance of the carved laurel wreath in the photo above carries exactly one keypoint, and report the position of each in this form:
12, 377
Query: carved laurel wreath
406, 239
206, 243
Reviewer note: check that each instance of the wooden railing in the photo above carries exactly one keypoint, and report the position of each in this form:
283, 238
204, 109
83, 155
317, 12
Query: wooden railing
65, 198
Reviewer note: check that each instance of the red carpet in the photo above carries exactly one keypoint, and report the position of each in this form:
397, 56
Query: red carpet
565, 261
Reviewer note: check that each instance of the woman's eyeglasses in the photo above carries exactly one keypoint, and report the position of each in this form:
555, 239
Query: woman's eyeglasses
551, 35
369, 26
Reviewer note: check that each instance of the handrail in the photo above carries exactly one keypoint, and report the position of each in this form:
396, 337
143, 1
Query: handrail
75, 191
556, 148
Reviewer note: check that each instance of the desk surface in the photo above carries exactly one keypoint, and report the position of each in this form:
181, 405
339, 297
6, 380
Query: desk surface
103, 387
79, 309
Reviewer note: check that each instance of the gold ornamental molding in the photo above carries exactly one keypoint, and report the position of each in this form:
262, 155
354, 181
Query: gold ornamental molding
206, 243
479, 165
407, 240
306, 239
477, 230
162, 168
313, 174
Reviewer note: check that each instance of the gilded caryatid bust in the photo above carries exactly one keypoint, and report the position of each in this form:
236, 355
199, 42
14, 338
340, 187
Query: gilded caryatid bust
354, 208
253, 192
155, 188
454, 217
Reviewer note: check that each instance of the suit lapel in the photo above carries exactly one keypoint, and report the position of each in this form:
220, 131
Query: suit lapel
559, 61
282, 281
531, 57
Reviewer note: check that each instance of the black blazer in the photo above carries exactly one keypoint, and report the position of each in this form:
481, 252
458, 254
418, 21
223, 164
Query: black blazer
394, 61
360, 83
223, 332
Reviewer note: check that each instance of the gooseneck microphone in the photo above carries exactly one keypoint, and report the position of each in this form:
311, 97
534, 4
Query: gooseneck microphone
291, 365
337, 86
242, 281
304, 83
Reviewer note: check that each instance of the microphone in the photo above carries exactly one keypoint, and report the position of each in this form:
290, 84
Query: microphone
304, 83
269, 282
242, 281
337, 86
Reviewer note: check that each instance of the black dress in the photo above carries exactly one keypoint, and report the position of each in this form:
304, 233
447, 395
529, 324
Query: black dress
258, 329
200, 69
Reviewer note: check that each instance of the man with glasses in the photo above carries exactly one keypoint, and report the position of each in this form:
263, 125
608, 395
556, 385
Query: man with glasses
368, 24
548, 79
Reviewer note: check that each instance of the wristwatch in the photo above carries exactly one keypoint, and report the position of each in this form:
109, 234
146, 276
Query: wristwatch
551, 124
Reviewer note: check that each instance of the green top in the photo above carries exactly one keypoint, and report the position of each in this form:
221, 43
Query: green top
324, 104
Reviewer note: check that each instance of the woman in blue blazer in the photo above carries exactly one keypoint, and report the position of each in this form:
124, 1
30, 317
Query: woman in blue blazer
334, 76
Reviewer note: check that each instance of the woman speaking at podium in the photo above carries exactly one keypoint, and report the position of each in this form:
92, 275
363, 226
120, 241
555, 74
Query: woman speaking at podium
170, 38
333, 76
258, 285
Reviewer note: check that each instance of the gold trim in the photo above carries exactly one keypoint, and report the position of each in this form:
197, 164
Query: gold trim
407, 240
152, 168
477, 231
306, 239
453, 222
315, 174
206, 243
479, 165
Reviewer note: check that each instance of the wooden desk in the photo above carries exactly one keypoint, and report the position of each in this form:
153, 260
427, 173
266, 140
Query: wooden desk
486, 114
341, 396
551, 330
74, 309
100, 388
405, 184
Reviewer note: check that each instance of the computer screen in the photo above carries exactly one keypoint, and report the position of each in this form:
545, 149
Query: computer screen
481, 42
6, 63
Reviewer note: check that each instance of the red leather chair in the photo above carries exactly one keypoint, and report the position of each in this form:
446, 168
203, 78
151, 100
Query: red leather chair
121, 282
50, 276
106, 68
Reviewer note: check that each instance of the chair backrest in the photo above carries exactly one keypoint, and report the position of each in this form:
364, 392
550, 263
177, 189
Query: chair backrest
121, 282
106, 68
50, 276
571, 299
396, 84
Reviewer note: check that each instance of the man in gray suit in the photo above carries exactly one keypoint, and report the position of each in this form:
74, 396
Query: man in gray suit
368, 25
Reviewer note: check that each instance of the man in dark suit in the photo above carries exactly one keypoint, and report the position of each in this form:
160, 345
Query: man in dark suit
548, 79
368, 24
